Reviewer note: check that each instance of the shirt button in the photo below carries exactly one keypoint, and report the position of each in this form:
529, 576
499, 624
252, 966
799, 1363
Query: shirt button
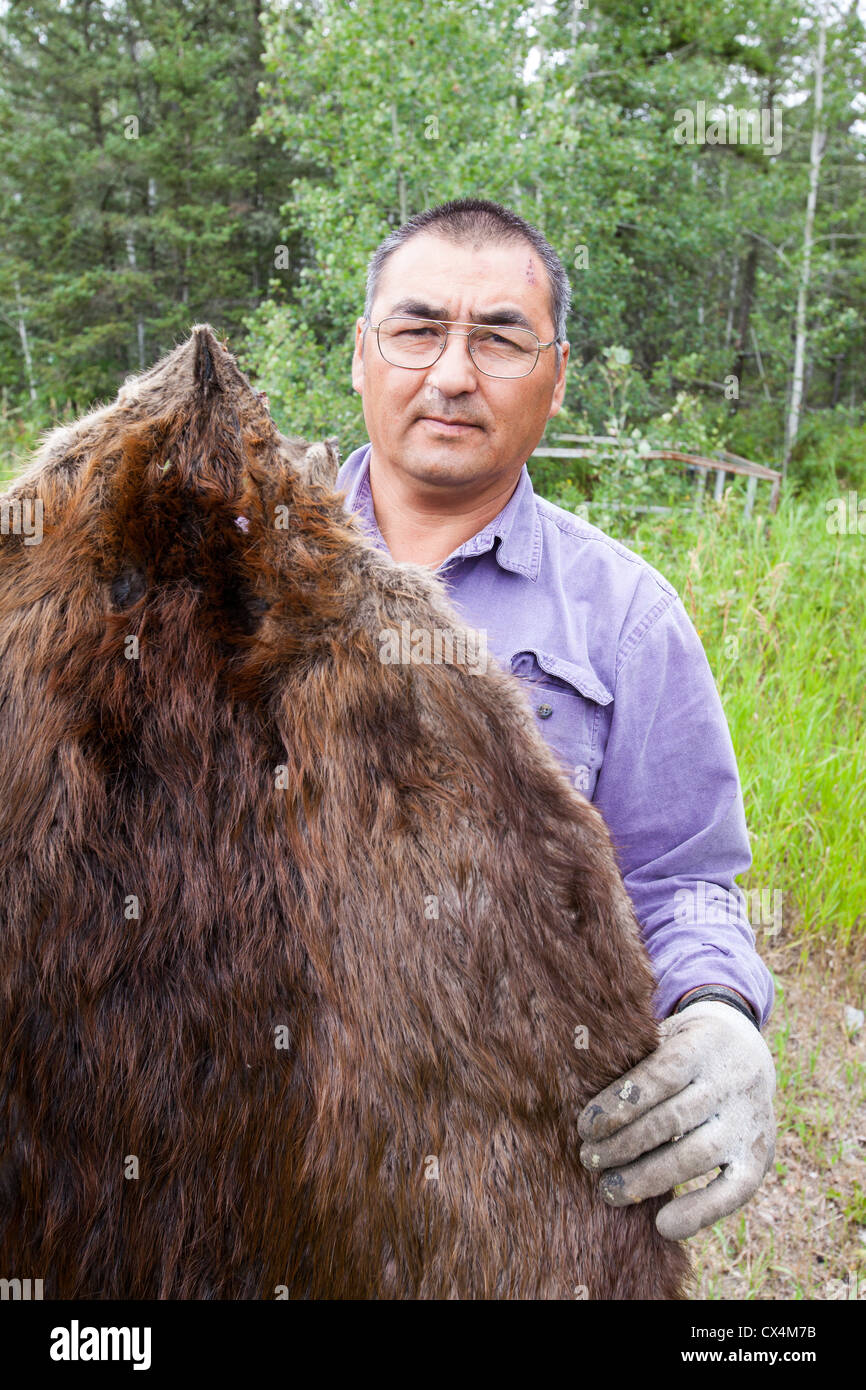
544, 711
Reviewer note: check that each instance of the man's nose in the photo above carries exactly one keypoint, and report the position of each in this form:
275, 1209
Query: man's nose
454, 372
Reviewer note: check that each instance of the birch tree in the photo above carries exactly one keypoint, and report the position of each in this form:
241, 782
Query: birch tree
816, 154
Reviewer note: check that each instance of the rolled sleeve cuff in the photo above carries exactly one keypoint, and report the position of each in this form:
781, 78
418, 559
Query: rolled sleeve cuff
685, 957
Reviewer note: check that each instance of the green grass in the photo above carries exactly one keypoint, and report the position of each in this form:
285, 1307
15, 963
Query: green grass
778, 603
19, 437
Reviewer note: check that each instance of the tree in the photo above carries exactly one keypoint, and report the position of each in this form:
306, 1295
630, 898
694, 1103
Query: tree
137, 200
817, 150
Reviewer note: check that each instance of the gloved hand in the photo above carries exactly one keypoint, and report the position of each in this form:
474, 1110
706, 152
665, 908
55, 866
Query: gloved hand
702, 1099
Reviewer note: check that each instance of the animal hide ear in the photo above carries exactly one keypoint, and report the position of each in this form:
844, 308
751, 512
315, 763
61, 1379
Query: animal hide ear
310, 955
322, 462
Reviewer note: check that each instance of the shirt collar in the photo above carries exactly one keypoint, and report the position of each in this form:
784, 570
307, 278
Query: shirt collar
517, 527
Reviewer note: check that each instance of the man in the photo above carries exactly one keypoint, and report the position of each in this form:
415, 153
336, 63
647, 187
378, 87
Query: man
460, 359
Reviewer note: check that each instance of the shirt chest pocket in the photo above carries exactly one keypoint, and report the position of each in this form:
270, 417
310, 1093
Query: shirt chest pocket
569, 704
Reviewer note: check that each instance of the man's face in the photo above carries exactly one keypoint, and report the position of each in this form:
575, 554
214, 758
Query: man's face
406, 410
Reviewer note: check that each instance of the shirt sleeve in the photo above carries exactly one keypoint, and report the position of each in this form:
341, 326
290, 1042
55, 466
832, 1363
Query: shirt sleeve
670, 792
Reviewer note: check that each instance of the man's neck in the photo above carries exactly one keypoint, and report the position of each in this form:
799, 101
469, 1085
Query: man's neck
424, 524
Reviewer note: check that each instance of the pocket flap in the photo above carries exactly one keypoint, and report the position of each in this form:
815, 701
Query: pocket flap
580, 678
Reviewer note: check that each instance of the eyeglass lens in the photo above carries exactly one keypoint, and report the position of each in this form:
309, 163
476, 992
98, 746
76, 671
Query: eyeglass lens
498, 350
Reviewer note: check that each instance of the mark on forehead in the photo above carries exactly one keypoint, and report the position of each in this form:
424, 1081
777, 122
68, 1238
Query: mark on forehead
530, 271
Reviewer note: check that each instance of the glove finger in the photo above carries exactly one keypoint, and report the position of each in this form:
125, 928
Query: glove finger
696, 1154
686, 1215
663, 1074
677, 1116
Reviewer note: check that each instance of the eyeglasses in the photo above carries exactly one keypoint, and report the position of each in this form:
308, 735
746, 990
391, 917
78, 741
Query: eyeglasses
496, 349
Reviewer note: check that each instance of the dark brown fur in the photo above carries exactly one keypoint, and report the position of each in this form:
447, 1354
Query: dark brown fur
411, 1037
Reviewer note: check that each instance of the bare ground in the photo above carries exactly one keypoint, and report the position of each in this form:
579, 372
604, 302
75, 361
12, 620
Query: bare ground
803, 1234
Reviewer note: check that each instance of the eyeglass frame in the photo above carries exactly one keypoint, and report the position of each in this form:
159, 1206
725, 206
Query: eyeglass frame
449, 333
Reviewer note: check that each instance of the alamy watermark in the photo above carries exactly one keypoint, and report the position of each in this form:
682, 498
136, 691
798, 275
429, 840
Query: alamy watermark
846, 516
853, 1286
22, 516
435, 646
752, 125
21, 1289
76, 1343
705, 904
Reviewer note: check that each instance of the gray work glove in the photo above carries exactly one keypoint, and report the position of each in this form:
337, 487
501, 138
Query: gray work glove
703, 1099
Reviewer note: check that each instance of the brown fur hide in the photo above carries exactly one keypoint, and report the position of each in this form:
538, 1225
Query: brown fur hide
294, 943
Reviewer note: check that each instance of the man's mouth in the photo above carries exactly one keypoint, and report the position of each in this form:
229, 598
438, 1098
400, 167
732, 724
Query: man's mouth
449, 426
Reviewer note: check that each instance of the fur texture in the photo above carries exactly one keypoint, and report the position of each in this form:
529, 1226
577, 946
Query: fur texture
221, 863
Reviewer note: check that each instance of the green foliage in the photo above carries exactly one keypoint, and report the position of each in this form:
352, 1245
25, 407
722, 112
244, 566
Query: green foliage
391, 110
307, 381
831, 450
136, 200
163, 164
852, 1204
622, 479
19, 435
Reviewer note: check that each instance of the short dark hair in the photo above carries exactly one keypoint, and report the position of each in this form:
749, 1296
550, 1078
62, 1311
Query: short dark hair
477, 220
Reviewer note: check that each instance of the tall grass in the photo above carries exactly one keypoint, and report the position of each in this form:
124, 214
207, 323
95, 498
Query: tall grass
778, 603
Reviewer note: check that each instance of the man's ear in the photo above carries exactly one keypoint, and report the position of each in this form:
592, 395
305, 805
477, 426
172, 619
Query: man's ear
358, 358
559, 388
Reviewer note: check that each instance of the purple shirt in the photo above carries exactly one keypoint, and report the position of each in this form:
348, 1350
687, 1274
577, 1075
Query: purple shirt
625, 698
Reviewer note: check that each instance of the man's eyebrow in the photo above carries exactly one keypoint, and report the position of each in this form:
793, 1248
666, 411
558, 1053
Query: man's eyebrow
418, 308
